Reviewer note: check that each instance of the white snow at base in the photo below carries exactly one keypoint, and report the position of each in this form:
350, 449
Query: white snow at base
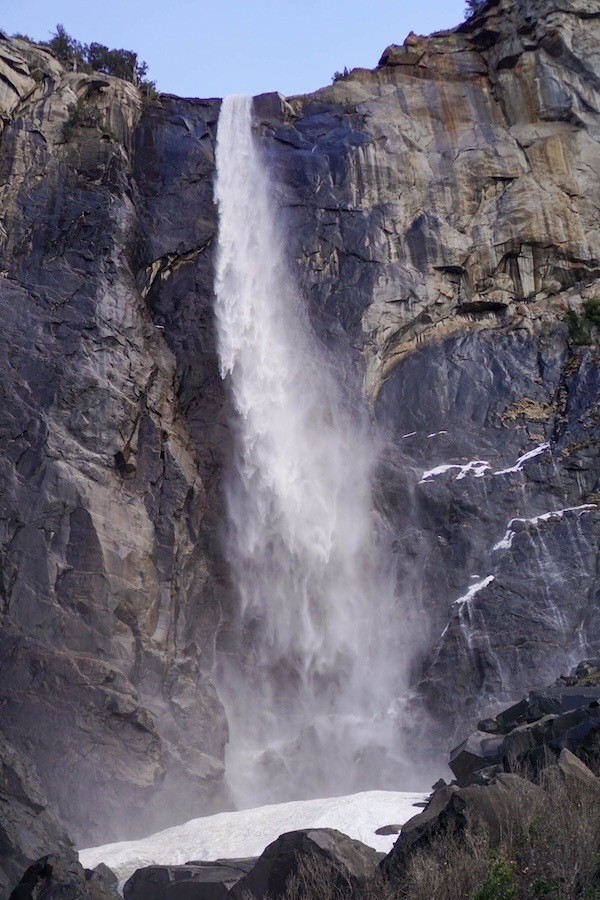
523, 459
474, 589
555, 514
246, 833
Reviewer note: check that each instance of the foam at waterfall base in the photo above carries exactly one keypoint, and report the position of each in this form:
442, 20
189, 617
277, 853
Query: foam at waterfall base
245, 833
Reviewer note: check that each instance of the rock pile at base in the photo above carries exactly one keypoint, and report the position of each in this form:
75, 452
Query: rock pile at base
505, 760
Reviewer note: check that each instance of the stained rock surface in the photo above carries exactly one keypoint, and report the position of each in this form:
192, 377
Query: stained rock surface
442, 221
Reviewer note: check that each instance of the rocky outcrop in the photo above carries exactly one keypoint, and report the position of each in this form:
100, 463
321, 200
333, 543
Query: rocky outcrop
453, 811
28, 829
59, 878
442, 210
490, 801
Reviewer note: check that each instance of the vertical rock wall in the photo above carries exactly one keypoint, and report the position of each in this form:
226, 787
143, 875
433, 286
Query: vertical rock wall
107, 621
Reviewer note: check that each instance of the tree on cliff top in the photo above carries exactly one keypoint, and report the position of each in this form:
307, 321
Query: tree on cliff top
66, 48
97, 57
473, 6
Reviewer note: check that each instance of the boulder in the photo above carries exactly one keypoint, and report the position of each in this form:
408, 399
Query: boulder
478, 751
193, 881
454, 810
573, 769
62, 878
588, 750
530, 709
537, 742
350, 862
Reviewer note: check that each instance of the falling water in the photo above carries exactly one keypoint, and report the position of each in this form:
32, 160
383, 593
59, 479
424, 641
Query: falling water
305, 670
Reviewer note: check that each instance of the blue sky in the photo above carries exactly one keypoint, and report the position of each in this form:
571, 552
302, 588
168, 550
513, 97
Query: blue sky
209, 49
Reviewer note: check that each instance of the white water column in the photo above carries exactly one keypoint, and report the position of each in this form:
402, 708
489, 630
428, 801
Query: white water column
312, 662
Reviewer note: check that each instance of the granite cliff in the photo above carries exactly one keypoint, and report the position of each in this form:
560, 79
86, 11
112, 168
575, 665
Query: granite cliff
442, 212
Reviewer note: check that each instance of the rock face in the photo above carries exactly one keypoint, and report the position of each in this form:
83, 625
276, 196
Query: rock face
443, 213
28, 830
107, 620
442, 216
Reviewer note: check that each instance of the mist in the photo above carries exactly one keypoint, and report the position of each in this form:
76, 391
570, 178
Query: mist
316, 655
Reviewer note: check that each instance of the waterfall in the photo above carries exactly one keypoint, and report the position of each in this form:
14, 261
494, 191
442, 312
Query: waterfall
311, 661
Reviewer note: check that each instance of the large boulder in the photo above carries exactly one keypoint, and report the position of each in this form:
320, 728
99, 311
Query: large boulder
454, 810
349, 863
573, 770
194, 881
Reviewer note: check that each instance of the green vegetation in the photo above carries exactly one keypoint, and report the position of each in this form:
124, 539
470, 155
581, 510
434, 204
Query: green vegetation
592, 310
580, 326
85, 115
500, 883
473, 6
96, 57
338, 76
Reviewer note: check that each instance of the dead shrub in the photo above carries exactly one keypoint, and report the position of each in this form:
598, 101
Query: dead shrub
452, 866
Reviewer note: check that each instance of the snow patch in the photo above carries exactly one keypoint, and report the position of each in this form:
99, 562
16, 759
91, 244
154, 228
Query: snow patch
476, 467
474, 589
479, 467
523, 459
246, 833
555, 514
